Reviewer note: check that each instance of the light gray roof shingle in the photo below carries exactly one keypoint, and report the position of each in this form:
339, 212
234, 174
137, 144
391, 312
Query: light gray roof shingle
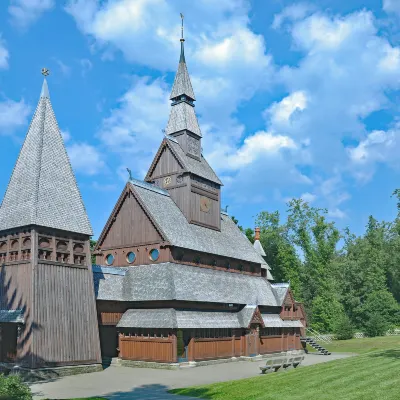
200, 168
228, 242
181, 117
12, 316
280, 290
275, 321
170, 281
246, 314
169, 318
182, 84
42, 189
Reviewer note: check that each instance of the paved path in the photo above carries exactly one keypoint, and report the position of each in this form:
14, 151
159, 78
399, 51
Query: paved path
123, 383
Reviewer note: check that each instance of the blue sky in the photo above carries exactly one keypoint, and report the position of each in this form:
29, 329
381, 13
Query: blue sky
293, 98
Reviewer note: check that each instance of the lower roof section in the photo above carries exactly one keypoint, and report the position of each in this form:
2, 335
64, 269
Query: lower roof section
170, 318
171, 281
275, 321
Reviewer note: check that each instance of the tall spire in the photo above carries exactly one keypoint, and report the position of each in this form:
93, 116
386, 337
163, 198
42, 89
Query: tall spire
182, 85
182, 116
42, 190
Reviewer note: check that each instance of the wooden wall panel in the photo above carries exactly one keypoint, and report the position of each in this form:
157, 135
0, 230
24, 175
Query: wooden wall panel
16, 294
131, 226
65, 315
212, 218
166, 164
141, 252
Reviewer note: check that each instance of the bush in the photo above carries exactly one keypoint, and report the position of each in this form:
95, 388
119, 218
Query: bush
377, 325
12, 388
344, 330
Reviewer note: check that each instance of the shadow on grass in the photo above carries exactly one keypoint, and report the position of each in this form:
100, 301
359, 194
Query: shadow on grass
145, 392
391, 353
192, 393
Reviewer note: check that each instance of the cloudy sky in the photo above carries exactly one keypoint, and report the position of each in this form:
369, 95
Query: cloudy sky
295, 99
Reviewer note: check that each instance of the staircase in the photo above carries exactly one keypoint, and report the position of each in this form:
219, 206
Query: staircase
313, 338
311, 341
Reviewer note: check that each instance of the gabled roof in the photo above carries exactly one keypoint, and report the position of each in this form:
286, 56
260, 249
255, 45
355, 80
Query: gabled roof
172, 281
42, 189
280, 291
182, 84
196, 167
260, 250
176, 229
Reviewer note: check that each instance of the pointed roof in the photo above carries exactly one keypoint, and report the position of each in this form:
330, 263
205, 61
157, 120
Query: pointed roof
182, 117
182, 84
42, 189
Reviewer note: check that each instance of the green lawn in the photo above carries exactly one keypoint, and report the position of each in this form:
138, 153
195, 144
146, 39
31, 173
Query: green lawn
369, 376
362, 346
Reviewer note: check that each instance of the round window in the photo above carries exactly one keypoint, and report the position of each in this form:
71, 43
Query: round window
154, 254
109, 259
131, 257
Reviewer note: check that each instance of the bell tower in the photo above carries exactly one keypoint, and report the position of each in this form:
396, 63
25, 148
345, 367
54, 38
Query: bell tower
179, 166
46, 272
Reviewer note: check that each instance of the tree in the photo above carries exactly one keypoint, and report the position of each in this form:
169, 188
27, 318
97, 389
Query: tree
317, 240
343, 328
376, 326
92, 247
281, 255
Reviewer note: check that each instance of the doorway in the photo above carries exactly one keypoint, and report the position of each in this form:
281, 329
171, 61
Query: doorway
8, 342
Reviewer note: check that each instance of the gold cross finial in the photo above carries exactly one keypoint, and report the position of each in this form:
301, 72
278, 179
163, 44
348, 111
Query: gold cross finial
45, 72
182, 23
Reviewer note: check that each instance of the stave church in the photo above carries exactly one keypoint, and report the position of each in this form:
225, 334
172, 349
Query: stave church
175, 281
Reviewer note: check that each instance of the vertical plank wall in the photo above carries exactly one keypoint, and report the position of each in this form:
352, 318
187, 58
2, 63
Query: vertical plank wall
16, 294
66, 317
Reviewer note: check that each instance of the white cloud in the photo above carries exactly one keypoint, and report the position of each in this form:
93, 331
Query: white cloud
308, 197
292, 13
25, 12
66, 135
391, 6
13, 115
281, 112
133, 129
4, 54
85, 158
86, 66
64, 68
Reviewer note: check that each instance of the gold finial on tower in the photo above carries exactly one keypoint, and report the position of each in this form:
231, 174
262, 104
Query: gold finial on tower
182, 39
45, 72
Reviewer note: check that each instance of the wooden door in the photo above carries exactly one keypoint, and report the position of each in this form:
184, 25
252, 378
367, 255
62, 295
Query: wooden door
8, 342
252, 342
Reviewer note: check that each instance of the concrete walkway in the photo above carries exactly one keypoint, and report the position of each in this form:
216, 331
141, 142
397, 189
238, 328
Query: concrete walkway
123, 383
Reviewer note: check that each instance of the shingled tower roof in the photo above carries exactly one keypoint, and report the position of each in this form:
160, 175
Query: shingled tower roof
182, 116
42, 190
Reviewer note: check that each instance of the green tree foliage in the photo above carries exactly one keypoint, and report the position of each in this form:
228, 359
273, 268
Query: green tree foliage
343, 328
13, 388
376, 325
357, 285
92, 247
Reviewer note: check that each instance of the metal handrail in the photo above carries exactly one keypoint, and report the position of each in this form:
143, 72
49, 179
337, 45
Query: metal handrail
318, 336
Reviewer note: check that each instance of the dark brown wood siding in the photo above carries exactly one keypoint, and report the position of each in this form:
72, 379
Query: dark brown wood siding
130, 226
167, 163
16, 294
64, 312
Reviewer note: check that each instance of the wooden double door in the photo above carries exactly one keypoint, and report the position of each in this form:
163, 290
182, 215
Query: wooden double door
8, 342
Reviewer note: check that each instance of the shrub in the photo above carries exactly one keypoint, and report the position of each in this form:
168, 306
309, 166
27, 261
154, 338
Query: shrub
344, 330
377, 325
13, 388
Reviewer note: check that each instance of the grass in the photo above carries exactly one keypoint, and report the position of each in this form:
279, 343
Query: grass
371, 375
361, 346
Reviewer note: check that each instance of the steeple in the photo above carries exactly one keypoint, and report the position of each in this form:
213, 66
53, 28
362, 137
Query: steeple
182, 116
42, 190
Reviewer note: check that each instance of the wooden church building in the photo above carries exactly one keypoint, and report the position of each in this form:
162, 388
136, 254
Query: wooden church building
175, 280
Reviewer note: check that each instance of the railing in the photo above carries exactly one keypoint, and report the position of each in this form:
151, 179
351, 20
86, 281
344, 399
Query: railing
317, 336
